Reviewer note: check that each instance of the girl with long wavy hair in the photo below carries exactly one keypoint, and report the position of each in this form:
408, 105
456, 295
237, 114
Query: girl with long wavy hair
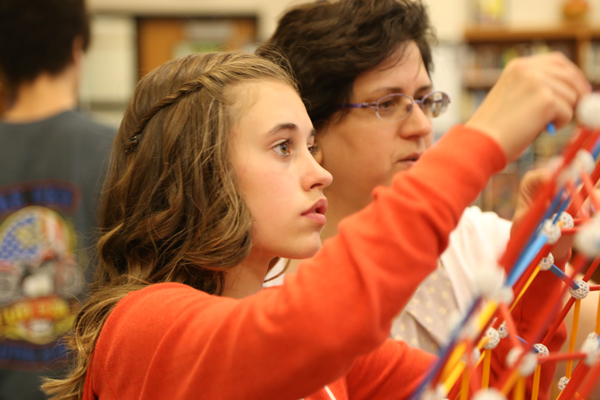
212, 179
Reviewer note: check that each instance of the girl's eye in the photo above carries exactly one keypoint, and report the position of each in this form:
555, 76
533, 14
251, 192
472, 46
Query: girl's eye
283, 148
314, 150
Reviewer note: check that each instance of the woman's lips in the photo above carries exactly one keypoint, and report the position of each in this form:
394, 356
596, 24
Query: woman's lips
409, 160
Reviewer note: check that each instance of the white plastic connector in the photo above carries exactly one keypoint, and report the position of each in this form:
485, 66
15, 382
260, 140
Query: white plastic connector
552, 231
439, 393
588, 111
546, 262
542, 353
565, 220
489, 282
505, 296
562, 383
583, 161
489, 394
503, 330
591, 346
528, 363
582, 292
493, 338
587, 239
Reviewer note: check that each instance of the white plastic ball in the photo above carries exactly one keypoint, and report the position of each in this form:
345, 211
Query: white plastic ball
588, 111
546, 262
565, 220
587, 239
542, 353
488, 281
591, 346
592, 337
568, 174
489, 394
503, 330
493, 338
439, 393
584, 161
506, 295
562, 383
528, 363
552, 231
582, 292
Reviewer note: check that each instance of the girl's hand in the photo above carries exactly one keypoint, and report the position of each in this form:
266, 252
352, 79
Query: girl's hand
531, 92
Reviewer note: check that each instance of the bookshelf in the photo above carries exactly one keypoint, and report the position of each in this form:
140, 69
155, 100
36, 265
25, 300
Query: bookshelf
488, 50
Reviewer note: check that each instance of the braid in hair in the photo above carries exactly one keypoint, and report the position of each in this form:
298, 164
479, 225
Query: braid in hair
187, 88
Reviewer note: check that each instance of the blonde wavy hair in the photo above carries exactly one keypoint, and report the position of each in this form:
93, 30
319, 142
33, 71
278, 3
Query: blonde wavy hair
170, 209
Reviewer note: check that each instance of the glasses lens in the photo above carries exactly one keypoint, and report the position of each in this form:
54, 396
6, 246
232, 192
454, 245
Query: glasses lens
394, 107
435, 104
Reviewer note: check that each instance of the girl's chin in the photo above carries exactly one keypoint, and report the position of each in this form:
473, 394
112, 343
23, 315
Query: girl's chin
305, 252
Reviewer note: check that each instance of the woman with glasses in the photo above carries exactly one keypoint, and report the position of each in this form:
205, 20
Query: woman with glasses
364, 73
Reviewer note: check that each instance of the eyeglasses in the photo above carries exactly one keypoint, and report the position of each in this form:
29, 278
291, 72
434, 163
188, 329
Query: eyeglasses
398, 106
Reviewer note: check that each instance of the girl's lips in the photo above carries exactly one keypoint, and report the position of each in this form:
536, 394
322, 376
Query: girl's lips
316, 217
317, 212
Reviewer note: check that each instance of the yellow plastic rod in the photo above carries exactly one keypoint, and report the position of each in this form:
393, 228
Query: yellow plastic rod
573, 336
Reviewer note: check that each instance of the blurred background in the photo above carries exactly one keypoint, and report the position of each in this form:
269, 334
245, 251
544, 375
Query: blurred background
476, 40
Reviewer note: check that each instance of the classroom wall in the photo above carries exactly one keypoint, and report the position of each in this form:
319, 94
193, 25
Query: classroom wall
111, 66
266, 10
449, 16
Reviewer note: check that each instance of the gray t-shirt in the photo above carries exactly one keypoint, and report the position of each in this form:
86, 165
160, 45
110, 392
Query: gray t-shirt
51, 173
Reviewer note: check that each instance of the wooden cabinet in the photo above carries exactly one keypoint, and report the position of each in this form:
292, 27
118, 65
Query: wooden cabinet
124, 48
161, 39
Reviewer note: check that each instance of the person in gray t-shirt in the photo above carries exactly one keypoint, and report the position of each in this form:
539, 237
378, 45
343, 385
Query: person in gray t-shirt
52, 162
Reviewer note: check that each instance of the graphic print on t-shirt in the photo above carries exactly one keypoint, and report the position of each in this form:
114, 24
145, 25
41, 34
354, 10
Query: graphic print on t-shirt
41, 274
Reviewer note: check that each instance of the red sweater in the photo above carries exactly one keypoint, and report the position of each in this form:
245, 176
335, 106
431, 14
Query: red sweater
327, 325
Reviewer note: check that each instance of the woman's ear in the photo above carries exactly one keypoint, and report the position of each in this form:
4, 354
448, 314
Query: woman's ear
319, 154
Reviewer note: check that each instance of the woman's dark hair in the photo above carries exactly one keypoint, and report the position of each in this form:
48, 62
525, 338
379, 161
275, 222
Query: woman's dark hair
330, 43
36, 36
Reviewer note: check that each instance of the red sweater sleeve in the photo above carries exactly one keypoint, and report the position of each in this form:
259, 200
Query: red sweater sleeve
172, 341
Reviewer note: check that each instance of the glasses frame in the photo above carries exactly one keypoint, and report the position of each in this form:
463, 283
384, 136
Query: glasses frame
375, 105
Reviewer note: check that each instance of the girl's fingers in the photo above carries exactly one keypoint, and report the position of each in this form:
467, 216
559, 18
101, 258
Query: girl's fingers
569, 72
563, 113
564, 92
565, 77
